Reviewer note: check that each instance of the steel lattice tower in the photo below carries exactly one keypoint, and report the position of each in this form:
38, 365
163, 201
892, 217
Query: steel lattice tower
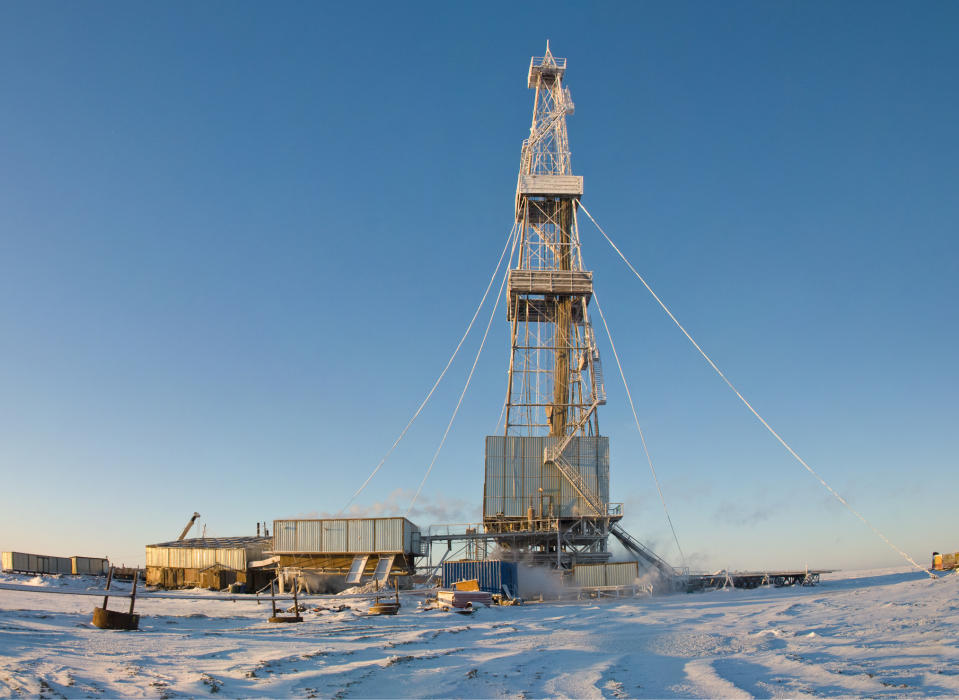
547, 475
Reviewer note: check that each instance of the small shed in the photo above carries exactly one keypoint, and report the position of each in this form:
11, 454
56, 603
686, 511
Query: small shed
189, 563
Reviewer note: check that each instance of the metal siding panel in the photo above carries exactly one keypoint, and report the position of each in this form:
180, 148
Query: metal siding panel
204, 557
589, 575
608, 574
7, 561
621, 573
361, 535
99, 566
234, 558
309, 536
495, 481
388, 535
284, 535
334, 536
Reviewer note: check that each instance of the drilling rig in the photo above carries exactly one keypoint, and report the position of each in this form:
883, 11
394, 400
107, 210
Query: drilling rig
546, 491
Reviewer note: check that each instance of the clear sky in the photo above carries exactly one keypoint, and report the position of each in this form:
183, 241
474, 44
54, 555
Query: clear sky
238, 242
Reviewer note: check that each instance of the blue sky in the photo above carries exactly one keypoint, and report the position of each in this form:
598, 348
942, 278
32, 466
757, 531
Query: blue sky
239, 241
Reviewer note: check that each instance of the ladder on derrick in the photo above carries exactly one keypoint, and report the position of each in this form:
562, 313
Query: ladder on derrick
596, 372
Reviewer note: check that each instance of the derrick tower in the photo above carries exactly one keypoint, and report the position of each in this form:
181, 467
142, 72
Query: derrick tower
546, 492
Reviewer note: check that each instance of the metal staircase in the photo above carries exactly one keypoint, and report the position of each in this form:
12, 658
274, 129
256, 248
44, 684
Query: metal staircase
572, 475
642, 552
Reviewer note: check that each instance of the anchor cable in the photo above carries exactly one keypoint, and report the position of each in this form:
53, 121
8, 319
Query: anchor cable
462, 394
439, 379
776, 435
642, 437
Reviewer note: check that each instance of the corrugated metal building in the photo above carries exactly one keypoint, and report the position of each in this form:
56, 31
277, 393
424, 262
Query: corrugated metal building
209, 562
333, 545
517, 477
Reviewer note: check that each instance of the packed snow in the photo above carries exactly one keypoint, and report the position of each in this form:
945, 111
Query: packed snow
879, 633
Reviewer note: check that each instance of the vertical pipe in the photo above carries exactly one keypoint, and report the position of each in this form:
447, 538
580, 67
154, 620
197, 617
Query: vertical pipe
559, 561
561, 333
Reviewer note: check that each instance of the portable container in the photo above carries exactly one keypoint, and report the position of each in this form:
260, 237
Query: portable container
491, 574
90, 566
35, 563
346, 536
602, 575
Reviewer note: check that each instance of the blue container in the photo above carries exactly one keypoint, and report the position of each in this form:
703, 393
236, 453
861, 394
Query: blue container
491, 574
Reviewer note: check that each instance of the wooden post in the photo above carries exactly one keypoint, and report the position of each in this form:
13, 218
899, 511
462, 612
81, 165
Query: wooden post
273, 595
109, 579
296, 605
133, 594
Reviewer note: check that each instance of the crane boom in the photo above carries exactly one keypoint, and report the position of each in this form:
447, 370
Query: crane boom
188, 526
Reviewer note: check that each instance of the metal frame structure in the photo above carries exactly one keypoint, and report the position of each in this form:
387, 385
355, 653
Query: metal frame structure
555, 377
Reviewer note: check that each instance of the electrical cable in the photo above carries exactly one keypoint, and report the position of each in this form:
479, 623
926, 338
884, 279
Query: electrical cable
462, 394
642, 437
439, 379
776, 435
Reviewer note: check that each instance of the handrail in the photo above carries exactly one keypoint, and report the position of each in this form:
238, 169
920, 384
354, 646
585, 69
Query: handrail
540, 62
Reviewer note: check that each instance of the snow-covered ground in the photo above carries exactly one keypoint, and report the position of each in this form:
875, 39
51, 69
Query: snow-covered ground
867, 633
